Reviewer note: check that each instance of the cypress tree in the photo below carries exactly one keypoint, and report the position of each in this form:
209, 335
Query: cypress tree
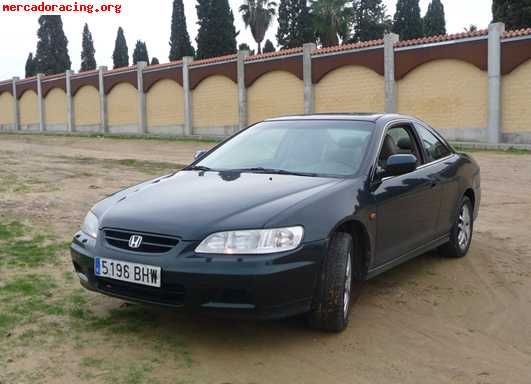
269, 47
434, 21
154, 61
295, 26
407, 21
516, 14
31, 70
245, 47
180, 44
88, 61
52, 47
140, 53
370, 20
120, 56
217, 34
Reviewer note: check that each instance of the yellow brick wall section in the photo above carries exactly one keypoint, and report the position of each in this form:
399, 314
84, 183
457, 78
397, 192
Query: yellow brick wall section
350, 89
29, 113
122, 102
165, 104
215, 102
87, 106
446, 94
6, 108
516, 99
55, 107
276, 93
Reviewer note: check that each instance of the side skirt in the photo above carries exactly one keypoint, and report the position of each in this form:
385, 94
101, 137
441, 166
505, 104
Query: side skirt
408, 256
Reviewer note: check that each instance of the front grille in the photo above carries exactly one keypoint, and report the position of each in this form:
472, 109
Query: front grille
150, 243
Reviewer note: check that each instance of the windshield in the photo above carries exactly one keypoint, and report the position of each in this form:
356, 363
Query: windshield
320, 147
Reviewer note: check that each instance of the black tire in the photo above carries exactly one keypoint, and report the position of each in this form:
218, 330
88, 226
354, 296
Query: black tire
329, 312
456, 248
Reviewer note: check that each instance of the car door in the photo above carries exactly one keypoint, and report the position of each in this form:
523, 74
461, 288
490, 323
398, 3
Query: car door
441, 168
407, 205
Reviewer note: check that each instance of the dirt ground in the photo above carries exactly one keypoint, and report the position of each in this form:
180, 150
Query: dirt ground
431, 320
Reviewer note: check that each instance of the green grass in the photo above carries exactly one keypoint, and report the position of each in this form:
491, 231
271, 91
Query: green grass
25, 299
21, 247
11, 230
91, 362
136, 375
29, 285
6, 322
34, 252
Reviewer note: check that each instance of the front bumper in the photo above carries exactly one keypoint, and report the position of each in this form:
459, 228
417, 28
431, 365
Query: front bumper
260, 287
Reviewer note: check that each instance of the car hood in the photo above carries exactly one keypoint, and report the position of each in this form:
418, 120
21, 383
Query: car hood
194, 204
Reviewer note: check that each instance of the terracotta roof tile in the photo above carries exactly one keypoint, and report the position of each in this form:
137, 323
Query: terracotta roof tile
441, 38
282, 52
347, 47
215, 60
52, 77
27, 79
164, 65
121, 69
85, 73
517, 33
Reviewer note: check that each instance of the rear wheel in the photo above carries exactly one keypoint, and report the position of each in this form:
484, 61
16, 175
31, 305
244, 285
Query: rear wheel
461, 233
338, 287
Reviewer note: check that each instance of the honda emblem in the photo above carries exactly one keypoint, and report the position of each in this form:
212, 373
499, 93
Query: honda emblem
135, 241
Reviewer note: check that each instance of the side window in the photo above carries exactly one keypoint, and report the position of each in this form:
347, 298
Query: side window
434, 148
398, 140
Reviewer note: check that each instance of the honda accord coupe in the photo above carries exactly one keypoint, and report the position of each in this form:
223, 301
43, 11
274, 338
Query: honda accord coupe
289, 216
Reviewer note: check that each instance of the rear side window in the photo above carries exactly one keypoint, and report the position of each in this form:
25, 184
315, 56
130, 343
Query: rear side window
434, 148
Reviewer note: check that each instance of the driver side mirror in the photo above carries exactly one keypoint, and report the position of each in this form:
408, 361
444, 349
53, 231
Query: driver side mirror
199, 154
400, 164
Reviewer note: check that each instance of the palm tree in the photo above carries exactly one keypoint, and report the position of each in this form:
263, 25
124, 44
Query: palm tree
332, 19
258, 14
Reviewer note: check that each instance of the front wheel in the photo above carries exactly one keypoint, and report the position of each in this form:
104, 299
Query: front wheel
338, 287
461, 233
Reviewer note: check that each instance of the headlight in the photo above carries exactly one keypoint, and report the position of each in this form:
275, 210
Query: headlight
90, 225
259, 241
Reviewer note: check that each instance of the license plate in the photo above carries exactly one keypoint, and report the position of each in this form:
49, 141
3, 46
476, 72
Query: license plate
129, 272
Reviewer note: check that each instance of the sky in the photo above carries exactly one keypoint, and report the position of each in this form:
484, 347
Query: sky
150, 21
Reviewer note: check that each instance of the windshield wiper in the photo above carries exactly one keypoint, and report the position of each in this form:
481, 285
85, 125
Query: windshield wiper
198, 168
276, 171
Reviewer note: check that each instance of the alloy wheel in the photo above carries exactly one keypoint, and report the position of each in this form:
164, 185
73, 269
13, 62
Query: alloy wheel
464, 227
348, 283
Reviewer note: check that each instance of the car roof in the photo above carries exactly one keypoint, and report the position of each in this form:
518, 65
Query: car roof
372, 117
